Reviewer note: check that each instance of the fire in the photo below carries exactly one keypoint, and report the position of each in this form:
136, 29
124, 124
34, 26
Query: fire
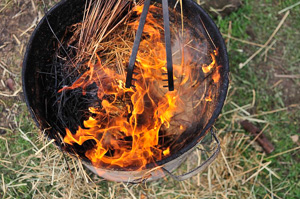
127, 124
167, 151
208, 68
216, 75
208, 98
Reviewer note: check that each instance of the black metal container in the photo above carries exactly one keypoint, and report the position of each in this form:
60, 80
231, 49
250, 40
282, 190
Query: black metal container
38, 55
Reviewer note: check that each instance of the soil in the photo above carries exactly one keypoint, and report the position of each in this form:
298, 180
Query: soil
16, 19
277, 63
274, 65
221, 7
288, 86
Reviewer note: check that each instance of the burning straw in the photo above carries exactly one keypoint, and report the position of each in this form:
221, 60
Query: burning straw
100, 120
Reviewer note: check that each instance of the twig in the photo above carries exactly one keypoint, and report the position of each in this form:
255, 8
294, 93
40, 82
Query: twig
129, 191
229, 34
222, 9
284, 152
287, 76
3, 186
6, 162
13, 95
251, 119
30, 27
259, 136
267, 43
258, 171
266, 126
25, 137
241, 109
275, 111
269, 190
267, 50
255, 180
6, 129
33, 5
2, 9
5, 69
276, 84
45, 146
17, 40
289, 7
243, 41
271, 183
247, 106
228, 167
209, 180
273, 173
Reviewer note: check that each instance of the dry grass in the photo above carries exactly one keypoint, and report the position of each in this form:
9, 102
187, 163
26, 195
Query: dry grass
232, 175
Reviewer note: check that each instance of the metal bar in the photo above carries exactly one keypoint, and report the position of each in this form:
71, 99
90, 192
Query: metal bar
136, 43
200, 168
168, 43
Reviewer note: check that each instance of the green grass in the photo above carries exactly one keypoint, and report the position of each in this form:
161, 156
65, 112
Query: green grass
261, 16
17, 150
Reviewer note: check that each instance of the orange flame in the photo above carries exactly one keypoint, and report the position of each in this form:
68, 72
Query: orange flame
208, 68
216, 75
126, 125
167, 151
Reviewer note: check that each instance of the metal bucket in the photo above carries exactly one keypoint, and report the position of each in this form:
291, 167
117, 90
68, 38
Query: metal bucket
38, 55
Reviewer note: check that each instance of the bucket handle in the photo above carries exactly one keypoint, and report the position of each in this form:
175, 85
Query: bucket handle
200, 168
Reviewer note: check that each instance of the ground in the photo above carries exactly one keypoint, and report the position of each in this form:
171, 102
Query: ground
264, 91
